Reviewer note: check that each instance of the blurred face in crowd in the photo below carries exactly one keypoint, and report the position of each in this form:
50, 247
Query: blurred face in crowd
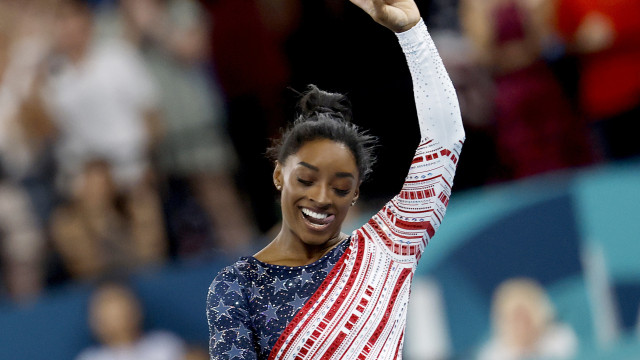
519, 327
95, 187
73, 28
319, 182
521, 314
115, 316
196, 354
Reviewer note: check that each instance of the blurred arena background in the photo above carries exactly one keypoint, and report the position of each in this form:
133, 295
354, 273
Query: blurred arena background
132, 140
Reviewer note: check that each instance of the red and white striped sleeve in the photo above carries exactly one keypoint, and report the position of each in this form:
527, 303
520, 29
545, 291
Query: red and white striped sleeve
407, 222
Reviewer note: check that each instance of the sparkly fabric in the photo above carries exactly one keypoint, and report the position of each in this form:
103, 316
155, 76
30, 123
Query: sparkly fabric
358, 311
251, 302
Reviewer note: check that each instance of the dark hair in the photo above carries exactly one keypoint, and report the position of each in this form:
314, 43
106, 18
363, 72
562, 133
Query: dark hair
325, 115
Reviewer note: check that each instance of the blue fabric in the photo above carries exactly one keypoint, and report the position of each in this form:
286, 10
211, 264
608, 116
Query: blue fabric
250, 303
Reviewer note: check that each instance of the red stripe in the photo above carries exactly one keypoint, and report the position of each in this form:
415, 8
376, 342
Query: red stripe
395, 247
335, 273
369, 290
417, 194
339, 340
398, 347
418, 212
367, 347
408, 225
425, 144
394, 295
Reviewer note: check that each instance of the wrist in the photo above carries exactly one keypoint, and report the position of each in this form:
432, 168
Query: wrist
413, 35
407, 27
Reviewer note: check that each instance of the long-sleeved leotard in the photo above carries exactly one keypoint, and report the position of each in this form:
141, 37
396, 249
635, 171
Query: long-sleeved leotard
351, 304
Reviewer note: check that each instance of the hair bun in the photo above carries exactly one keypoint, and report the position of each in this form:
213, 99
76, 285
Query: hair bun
315, 101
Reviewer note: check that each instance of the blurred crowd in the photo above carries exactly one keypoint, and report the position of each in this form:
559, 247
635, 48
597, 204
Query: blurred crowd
116, 319
113, 141
132, 132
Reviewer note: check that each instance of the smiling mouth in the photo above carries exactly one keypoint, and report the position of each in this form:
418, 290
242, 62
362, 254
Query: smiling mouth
316, 220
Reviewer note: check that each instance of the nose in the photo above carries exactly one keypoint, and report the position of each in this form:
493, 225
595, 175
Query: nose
319, 194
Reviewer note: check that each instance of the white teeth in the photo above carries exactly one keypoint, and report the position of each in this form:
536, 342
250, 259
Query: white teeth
314, 214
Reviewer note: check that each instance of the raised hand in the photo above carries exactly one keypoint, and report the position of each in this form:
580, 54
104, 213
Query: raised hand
397, 15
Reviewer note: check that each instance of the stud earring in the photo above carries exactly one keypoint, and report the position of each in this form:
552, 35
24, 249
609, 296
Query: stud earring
353, 202
279, 187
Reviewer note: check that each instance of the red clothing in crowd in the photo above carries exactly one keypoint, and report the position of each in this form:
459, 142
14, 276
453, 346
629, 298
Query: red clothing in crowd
610, 78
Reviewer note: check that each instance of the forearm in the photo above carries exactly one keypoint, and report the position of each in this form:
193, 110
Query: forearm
435, 96
407, 223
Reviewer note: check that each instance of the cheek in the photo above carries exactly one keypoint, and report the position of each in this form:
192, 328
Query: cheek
288, 198
343, 209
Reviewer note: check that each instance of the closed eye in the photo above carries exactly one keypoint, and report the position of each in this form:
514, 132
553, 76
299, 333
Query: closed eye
305, 182
341, 192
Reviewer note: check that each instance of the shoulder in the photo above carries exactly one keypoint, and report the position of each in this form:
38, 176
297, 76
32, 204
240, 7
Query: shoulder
240, 271
94, 353
494, 350
164, 337
230, 293
239, 277
162, 343
559, 341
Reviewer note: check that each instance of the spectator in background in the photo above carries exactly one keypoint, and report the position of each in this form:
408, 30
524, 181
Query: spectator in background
196, 353
26, 134
605, 36
172, 37
524, 326
21, 244
26, 130
115, 317
536, 128
103, 100
99, 231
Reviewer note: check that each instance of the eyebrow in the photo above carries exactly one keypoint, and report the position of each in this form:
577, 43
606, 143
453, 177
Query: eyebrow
338, 174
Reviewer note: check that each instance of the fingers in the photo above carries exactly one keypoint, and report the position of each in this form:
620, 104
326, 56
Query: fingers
397, 15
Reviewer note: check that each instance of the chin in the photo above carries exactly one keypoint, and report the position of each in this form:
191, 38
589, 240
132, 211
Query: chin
315, 238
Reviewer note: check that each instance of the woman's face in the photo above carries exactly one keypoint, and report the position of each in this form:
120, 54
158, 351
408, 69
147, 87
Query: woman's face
319, 182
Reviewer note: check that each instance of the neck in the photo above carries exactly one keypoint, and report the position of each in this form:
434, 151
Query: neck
288, 249
77, 55
122, 339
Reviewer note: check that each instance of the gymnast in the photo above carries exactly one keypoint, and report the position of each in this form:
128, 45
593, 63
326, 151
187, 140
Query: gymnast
315, 292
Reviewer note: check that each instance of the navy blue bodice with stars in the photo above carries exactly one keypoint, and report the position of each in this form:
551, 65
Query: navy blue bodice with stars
250, 303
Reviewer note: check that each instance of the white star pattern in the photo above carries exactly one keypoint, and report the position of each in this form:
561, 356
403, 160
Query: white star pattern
280, 285
297, 302
221, 309
235, 352
257, 314
305, 276
270, 313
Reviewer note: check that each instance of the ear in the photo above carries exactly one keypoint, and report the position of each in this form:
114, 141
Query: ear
278, 177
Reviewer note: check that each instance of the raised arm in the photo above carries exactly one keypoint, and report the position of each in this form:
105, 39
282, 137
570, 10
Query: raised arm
435, 96
409, 220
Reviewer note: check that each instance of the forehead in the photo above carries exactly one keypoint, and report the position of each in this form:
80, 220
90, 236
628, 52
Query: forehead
326, 155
